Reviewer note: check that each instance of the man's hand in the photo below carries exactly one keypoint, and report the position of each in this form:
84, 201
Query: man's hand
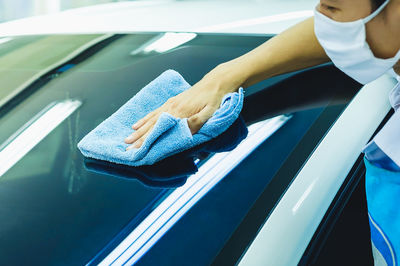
198, 104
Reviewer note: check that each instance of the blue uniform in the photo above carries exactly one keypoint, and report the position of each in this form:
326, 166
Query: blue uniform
382, 162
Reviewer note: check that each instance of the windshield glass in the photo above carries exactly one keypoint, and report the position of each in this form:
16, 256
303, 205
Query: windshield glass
25, 59
80, 210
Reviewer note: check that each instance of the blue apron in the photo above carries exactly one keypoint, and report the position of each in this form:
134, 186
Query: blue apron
383, 200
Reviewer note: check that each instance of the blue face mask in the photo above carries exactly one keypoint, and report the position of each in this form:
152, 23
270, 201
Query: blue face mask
346, 45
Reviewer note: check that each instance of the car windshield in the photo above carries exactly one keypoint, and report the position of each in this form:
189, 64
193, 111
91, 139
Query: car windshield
55, 89
24, 59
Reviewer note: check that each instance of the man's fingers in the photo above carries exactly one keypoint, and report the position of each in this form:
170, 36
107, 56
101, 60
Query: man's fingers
150, 115
141, 131
140, 141
143, 121
196, 121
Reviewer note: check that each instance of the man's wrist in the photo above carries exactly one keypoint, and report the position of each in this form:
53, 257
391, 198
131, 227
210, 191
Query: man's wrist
227, 77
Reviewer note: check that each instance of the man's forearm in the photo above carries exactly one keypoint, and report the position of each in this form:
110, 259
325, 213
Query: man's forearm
294, 49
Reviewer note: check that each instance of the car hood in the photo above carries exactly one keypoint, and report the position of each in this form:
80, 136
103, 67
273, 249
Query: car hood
194, 16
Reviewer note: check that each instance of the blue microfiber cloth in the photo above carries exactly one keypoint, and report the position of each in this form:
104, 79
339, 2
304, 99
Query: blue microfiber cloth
169, 136
174, 170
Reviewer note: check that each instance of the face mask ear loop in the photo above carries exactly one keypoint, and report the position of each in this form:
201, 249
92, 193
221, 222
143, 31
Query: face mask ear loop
394, 74
376, 12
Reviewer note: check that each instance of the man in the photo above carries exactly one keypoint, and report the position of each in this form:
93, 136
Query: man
362, 38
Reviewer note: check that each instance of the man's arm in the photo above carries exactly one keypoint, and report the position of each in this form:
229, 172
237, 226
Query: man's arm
294, 49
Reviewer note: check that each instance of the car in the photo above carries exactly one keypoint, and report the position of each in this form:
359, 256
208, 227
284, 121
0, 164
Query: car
286, 190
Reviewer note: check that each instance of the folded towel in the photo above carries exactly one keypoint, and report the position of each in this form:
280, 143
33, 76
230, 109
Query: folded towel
170, 135
174, 170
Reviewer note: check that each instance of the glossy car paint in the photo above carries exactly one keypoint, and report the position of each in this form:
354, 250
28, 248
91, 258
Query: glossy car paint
306, 201
250, 16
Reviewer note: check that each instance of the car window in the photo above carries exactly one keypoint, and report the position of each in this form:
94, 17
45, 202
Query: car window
49, 187
24, 59
79, 211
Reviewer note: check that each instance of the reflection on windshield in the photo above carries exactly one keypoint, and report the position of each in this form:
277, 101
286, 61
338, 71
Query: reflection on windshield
5, 39
165, 42
169, 173
141, 239
27, 137
173, 171
24, 59
73, 174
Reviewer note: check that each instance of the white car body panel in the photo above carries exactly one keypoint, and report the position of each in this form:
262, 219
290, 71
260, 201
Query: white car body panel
192, 16
285, 235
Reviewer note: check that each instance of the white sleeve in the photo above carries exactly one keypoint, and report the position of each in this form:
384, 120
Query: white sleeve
388, 138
